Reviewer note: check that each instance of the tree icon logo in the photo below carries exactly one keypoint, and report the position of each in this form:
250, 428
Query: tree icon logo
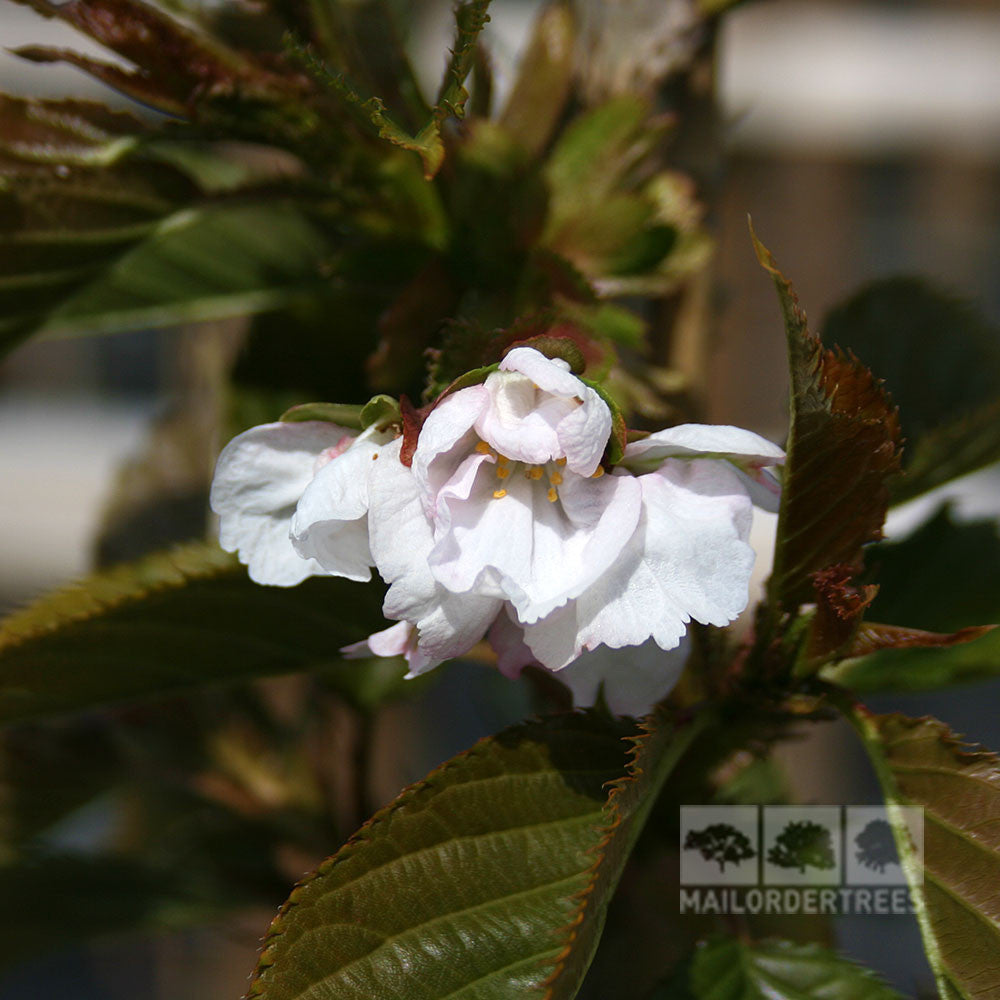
721, 843
803, 844
876, 846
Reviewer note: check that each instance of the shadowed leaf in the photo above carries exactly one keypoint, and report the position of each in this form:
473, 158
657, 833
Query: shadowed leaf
183, 619
943, 578
940, 359
920, 763
843, 447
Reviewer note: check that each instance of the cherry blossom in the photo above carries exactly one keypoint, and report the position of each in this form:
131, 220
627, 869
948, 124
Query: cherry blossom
509, 525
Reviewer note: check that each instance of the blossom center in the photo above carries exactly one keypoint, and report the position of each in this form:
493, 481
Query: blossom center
506, 467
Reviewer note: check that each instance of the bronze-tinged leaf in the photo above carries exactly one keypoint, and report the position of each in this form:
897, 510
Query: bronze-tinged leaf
840, 606
919, 762
872, 637
843, 447
35, 130
175, 65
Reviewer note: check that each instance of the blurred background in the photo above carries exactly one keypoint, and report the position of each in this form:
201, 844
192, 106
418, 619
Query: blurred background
863, 138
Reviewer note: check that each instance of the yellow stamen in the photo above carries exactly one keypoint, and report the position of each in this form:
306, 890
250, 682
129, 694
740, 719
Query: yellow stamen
552, 494
502, 472
483, 448
502, 459
375, 456
534, 472
555, 478
560, 461
499, 494
598, 472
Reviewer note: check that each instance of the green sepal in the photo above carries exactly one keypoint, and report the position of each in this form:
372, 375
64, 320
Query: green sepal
475, 377
615, 450
344, 414
380, 411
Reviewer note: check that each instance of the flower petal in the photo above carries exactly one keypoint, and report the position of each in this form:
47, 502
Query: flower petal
688, 558
259, 478
441, 445
632, 680
330, 523
522, 547
706, 440
401, 540
540, 411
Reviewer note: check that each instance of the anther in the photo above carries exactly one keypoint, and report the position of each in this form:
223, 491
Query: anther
552, 494
483, 448
555, 478
560, 462
534, 472
502, 472
598, 472
499, 494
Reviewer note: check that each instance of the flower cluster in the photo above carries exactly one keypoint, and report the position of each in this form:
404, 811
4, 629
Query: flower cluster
506, 525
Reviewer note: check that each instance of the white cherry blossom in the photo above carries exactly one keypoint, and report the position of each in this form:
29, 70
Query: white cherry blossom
506, 524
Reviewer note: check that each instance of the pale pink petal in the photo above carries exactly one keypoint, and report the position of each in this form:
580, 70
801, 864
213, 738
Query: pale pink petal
702, 440
688, 558
331, 520
401, 540
506, 638
632, 680
582, 428
446, 438
259, 478
397, 640
524, 548
519, 422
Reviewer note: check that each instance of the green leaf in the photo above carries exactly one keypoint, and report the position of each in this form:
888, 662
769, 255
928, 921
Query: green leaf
780, 970
940, 359
843, 447
203, 264
920, 763
177, 620
486, 879
604, 215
